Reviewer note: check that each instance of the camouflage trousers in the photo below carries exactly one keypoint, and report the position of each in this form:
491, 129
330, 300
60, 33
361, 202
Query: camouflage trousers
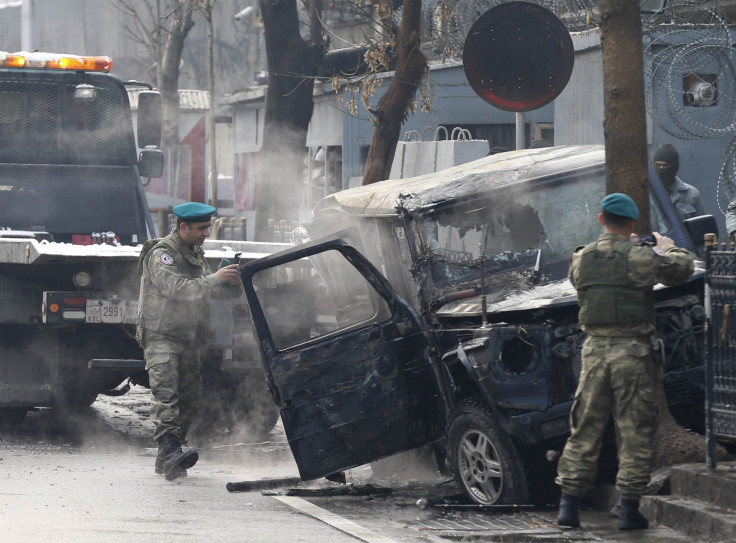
175, 377
618, 378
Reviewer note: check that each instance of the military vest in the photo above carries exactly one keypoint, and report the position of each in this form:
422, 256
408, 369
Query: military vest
605, 293
184, 320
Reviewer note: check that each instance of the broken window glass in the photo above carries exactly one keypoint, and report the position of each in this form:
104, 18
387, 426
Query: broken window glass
316, 297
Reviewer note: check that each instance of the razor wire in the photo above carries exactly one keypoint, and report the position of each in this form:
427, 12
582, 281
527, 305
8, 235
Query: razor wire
689, 67
727, 176
446, 23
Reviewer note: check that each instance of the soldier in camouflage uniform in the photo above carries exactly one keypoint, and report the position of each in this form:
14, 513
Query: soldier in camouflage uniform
173, 321
614, 279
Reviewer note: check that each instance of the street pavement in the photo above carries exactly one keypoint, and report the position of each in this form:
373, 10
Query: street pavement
88, 476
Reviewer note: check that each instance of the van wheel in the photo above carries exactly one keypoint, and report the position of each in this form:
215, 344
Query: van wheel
484, 460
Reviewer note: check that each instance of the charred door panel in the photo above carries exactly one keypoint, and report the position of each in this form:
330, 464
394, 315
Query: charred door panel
354, 380
352, 399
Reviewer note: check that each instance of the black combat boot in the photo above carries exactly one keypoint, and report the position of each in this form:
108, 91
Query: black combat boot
159, 465
158, 468
629, 518
175, 461
568, 515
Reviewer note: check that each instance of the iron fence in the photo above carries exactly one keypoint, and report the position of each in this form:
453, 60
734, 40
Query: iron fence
720, 372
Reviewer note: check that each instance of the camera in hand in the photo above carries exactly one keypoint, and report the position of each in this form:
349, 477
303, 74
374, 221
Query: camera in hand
647, 240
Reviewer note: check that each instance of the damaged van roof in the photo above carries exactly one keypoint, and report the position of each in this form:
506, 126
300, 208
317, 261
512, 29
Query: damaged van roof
464, 181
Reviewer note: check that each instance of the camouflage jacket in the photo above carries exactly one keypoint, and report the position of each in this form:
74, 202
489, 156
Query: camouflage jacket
176, 286
646, 267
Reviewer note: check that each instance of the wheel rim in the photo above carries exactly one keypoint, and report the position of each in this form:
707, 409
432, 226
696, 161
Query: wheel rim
480, 466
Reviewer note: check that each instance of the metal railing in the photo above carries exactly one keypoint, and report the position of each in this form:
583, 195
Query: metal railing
720, 369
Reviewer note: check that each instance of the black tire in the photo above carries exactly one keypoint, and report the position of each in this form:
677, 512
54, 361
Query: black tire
78, 399
483, 458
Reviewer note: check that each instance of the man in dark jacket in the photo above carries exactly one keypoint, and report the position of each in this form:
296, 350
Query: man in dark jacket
173, 321
686, 198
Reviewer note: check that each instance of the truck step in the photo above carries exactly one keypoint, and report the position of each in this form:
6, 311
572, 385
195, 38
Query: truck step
116, 364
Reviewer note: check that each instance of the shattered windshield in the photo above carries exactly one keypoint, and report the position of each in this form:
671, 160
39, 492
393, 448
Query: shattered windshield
523, 228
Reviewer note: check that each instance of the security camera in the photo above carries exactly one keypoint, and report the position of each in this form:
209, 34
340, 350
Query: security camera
245, 14
701, 94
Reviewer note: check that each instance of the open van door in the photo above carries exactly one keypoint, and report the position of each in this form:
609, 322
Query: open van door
351, 373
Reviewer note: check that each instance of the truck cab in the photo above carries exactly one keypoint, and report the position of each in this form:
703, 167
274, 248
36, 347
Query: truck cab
437, 309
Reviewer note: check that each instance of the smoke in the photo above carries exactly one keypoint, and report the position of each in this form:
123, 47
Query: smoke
416, 465
280, 179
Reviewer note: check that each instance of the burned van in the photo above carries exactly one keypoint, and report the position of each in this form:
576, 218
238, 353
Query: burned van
437, 309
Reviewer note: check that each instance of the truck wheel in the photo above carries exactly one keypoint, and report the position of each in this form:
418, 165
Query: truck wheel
78, 399
484, 460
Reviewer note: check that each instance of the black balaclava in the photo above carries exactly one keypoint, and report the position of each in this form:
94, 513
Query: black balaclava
667, 153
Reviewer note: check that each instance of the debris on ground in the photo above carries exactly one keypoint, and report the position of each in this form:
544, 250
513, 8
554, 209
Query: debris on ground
262, 484
343, 490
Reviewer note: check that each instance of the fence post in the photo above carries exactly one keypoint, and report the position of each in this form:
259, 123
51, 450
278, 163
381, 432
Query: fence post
711, 243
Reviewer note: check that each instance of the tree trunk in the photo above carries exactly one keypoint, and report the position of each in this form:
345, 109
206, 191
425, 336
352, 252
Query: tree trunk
168, 75
292, 64
391, 111
206, 9
626, 171
624, 122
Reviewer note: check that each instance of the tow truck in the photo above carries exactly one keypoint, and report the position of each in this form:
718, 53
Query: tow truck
74, 217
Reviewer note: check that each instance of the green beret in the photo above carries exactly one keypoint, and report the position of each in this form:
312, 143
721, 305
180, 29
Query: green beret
620, 204
194, 212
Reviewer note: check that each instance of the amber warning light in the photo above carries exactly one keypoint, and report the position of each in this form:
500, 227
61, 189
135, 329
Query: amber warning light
51, 61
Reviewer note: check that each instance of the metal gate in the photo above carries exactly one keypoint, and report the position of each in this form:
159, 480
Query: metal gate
720, 373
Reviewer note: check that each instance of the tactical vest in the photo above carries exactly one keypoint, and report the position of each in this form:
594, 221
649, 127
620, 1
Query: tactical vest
184, 320
605, 294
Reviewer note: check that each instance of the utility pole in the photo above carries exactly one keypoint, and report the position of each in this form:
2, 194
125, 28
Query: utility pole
26, 25
206, 7
624, 122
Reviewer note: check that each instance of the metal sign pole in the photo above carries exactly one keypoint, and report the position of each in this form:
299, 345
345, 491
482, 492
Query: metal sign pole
26, 25
520, 130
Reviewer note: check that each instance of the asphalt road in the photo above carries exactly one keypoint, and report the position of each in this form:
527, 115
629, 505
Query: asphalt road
87, 476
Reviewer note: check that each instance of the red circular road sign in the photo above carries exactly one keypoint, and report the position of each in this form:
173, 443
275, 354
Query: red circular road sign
518, 56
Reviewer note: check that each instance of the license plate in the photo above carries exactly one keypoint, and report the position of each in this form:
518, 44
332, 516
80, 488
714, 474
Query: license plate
107, 312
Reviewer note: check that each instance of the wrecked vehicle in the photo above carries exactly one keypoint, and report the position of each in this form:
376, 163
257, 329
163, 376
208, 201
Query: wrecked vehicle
437, 309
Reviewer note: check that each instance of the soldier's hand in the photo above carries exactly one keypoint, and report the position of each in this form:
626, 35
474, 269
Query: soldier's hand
662, 240
228, 274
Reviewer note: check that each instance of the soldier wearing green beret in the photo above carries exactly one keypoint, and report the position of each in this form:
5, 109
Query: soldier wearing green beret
173, 321
614, 279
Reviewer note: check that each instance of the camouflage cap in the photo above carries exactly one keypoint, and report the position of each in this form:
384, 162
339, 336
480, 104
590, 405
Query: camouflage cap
194, 212
620, 204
